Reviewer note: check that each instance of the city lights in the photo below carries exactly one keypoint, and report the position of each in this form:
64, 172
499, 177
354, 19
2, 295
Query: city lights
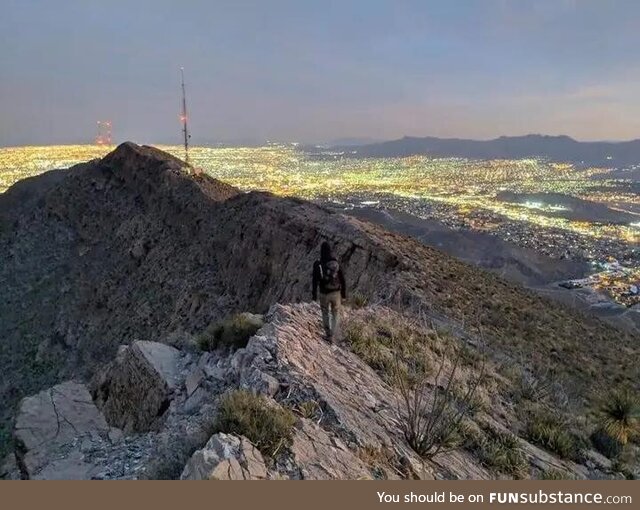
459, 192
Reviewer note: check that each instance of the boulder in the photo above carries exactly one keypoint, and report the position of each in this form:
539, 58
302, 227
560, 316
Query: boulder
259, 382
49, 429
226, 457
137, 388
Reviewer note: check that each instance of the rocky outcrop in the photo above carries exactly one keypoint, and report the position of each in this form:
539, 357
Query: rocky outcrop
358, 409
136, 390
50, 426
62, 433
357, 404
348, 425
319, 455
226, 457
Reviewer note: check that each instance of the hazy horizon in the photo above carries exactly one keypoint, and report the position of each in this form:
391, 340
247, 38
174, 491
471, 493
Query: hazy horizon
346, 141
314, 73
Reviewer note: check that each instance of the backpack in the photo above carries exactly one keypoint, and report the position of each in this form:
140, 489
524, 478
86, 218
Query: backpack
330, 276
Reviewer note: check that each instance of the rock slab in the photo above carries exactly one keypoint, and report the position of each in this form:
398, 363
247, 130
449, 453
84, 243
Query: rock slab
136, 390
226, 457
49, 427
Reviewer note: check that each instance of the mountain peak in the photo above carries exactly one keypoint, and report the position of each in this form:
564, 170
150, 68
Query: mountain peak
129, 154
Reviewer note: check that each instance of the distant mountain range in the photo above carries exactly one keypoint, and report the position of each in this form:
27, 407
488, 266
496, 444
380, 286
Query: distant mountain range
556, 148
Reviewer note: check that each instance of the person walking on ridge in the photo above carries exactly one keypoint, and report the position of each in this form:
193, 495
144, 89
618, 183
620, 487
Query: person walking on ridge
328, 277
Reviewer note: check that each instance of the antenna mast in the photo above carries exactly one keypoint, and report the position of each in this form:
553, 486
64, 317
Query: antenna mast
183, 119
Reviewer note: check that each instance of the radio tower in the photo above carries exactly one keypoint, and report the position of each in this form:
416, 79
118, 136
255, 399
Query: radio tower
183, 119
103, 136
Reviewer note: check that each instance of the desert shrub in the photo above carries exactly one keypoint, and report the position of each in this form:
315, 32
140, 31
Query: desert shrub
500, 451
309, 409
381, 460
470, 356
549, 431
473, 404
532, 387
358, 300
538, 383
233, 332
555, 474
366, 345
389, 344
267, 425
620, 415
432, 419
626, 464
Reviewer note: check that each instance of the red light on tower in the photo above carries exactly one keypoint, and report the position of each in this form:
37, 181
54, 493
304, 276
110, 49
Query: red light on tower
103, 136
183, 119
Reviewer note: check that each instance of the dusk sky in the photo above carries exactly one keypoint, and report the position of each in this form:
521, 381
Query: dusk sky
314, 71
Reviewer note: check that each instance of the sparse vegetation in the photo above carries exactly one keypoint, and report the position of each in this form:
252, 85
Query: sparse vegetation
532, 387
431, 406
625, 463
380, 459
392, 344
309, 409
500, 451
358, 300
549, 431
233, 332
618, 423
267, 425
431, 415
473, 404
469, 356
369, 348
389, 345
555, 474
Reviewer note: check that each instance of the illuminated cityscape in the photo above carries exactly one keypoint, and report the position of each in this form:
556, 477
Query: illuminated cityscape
461, 193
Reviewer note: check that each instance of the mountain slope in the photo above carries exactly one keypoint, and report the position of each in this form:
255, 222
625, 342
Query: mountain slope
512, 262
132, 247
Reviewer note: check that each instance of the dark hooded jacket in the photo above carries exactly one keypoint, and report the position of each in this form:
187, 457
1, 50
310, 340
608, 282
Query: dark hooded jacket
325, 256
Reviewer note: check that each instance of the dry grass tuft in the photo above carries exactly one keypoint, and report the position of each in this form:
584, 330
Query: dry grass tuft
267, 425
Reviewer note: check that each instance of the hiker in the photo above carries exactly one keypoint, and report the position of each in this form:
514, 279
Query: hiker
329, 278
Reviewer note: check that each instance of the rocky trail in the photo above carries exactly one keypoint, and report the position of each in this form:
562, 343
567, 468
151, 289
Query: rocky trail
149, 414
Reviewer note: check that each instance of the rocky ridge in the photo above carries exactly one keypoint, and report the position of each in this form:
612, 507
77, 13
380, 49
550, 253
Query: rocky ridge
70, 430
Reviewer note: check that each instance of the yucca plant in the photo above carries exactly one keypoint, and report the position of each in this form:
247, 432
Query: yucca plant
620, 415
